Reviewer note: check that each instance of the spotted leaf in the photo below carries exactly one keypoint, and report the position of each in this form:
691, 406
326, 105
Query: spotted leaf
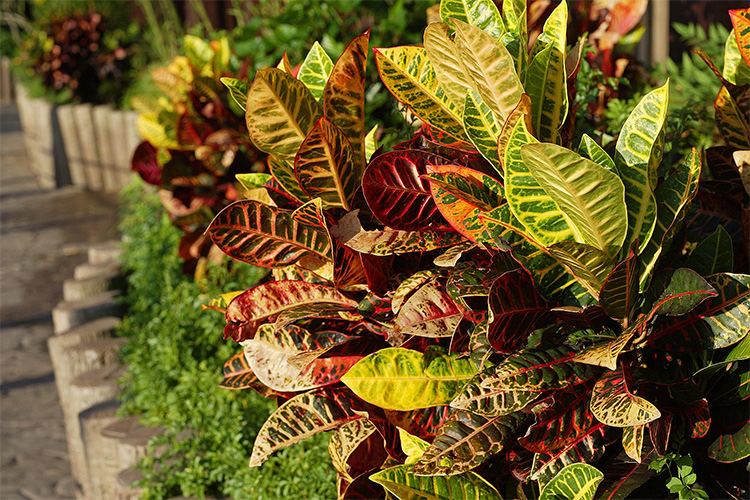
429, 312
301, 417
400, 481
573, 482
315, 70
482, 14
613, 404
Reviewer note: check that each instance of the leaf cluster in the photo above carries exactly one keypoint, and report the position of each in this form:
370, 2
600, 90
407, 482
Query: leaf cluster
487, 308
172, 380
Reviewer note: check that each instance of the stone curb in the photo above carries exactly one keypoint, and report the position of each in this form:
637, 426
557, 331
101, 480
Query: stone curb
103, 448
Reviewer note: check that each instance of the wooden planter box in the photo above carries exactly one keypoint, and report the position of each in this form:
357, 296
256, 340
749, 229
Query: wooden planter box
80, 144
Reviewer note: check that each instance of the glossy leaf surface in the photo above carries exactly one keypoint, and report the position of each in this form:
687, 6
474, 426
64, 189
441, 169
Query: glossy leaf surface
491, 68
574, 482
429, 312
315, 70
344, 97
588, 148
590, 266
620, 291
402, 379
281, 111
731, 447
638, 153
396, 193
325, 166
680, 291
717, 322
400, 481
590, 196
482, 128
482, 14
408, 74
446, 61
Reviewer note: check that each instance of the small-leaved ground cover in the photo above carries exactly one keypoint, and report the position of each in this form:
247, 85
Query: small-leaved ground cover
174, 360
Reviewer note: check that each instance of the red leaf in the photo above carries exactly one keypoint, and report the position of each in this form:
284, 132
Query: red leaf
398, 196
144, 163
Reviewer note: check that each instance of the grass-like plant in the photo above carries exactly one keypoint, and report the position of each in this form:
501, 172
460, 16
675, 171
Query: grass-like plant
494, 308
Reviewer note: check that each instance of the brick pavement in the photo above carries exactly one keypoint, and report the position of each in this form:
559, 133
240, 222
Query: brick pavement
43, 236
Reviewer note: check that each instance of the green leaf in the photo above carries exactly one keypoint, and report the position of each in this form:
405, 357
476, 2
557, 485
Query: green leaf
446, 61
301, 417
679, 292
402, 379
605, 353
521, 112
466, 441
587, 447
283, 172
315, 70
281, 111
717, 322
490, 402
349, 232
539, 371
589, 265
588, 148
325, 166
267, 236
412, 446
713, 254
591, 196
574, 482
620, 292
613, 404
238, 90
482, 128
252, 181
371, 142
632, 441
344, 98
491, 69
536, 210
731, 447
408, 486
546, 85
482, 14
408, 74
672, 198
736, 69
637, 156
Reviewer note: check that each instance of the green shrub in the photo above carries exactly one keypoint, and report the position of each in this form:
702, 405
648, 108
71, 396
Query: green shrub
174, 358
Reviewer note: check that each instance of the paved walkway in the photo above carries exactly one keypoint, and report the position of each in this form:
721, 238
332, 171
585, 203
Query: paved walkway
43, 236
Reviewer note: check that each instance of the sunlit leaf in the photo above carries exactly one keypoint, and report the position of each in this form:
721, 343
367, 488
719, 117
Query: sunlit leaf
446, 61
741, 22
267, 236
429, 312
408, 486
408, 74
301, 417
574, 482
315, 70
588, 148
325, 166
717, 322
267, 300
281, 111
605, 353
521, 112
491, 68
613, 404
238, 90
587, 447
638, 154
589, 265
345, 440
491, 402
632, 441
402, 379
344, 97
672, 198
412, 446
590, 196
482, 14
238, 374
482, 128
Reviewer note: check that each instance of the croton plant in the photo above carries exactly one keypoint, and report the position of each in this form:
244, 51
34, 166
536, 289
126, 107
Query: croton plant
493, 308
195, 142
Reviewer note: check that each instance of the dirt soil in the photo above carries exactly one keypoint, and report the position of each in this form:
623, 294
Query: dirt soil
44, 234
